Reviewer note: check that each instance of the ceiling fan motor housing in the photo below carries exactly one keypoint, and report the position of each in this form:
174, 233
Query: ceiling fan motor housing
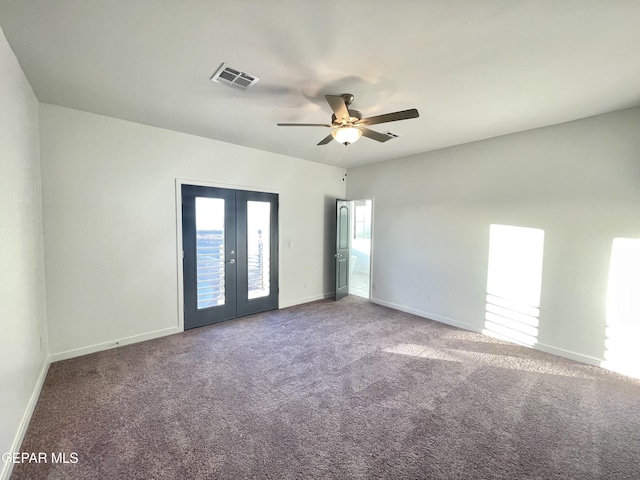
354, 115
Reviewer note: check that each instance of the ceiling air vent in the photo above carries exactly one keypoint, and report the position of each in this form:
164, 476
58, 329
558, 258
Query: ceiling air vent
234, 77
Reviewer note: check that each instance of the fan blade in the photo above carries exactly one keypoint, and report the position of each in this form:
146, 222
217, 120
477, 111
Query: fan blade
326, 140
304, 125
380, 137
389, 117
339, 107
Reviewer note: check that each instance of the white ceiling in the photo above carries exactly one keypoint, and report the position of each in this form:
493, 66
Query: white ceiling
474, 69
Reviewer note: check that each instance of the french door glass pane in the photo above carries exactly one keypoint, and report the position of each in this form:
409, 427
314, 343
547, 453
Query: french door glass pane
210, 251
344, 228
258, 248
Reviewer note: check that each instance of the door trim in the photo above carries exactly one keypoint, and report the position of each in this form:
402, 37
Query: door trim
179, 245
371, 253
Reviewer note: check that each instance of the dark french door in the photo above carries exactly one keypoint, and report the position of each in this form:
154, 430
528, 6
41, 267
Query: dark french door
230, 243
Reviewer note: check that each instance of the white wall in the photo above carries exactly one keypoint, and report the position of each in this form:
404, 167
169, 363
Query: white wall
22, 290
110, 222
578, 181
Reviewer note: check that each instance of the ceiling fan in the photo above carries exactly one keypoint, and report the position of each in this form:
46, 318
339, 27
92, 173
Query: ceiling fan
348, 125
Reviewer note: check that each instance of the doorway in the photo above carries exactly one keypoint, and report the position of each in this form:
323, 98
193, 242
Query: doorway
360, 248
230, 253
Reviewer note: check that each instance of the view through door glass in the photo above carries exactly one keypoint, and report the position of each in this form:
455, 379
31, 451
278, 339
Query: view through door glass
230, 247
210, 259
258, 255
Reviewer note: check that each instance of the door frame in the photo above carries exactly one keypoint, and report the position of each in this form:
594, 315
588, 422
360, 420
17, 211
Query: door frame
372, 250
179, 244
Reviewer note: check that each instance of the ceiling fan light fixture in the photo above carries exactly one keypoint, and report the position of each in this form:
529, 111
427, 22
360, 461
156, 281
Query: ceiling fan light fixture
346, 135
348, 125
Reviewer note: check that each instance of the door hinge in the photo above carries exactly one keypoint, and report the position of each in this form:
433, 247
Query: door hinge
183, 254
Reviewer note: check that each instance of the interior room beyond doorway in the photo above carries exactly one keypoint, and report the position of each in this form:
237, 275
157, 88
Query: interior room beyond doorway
360, 248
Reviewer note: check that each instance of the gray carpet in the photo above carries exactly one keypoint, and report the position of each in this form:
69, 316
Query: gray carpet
338, 391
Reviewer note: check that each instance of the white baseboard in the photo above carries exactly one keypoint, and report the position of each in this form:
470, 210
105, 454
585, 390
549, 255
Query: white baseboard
427, 315
77, 352
561, 352
300, 301
7, 468
571, 355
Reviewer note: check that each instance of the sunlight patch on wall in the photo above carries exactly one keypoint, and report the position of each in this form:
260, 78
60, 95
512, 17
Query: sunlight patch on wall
514, 283
622, 343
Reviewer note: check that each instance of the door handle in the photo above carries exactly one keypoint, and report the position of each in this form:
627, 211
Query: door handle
233, 260
338, 255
